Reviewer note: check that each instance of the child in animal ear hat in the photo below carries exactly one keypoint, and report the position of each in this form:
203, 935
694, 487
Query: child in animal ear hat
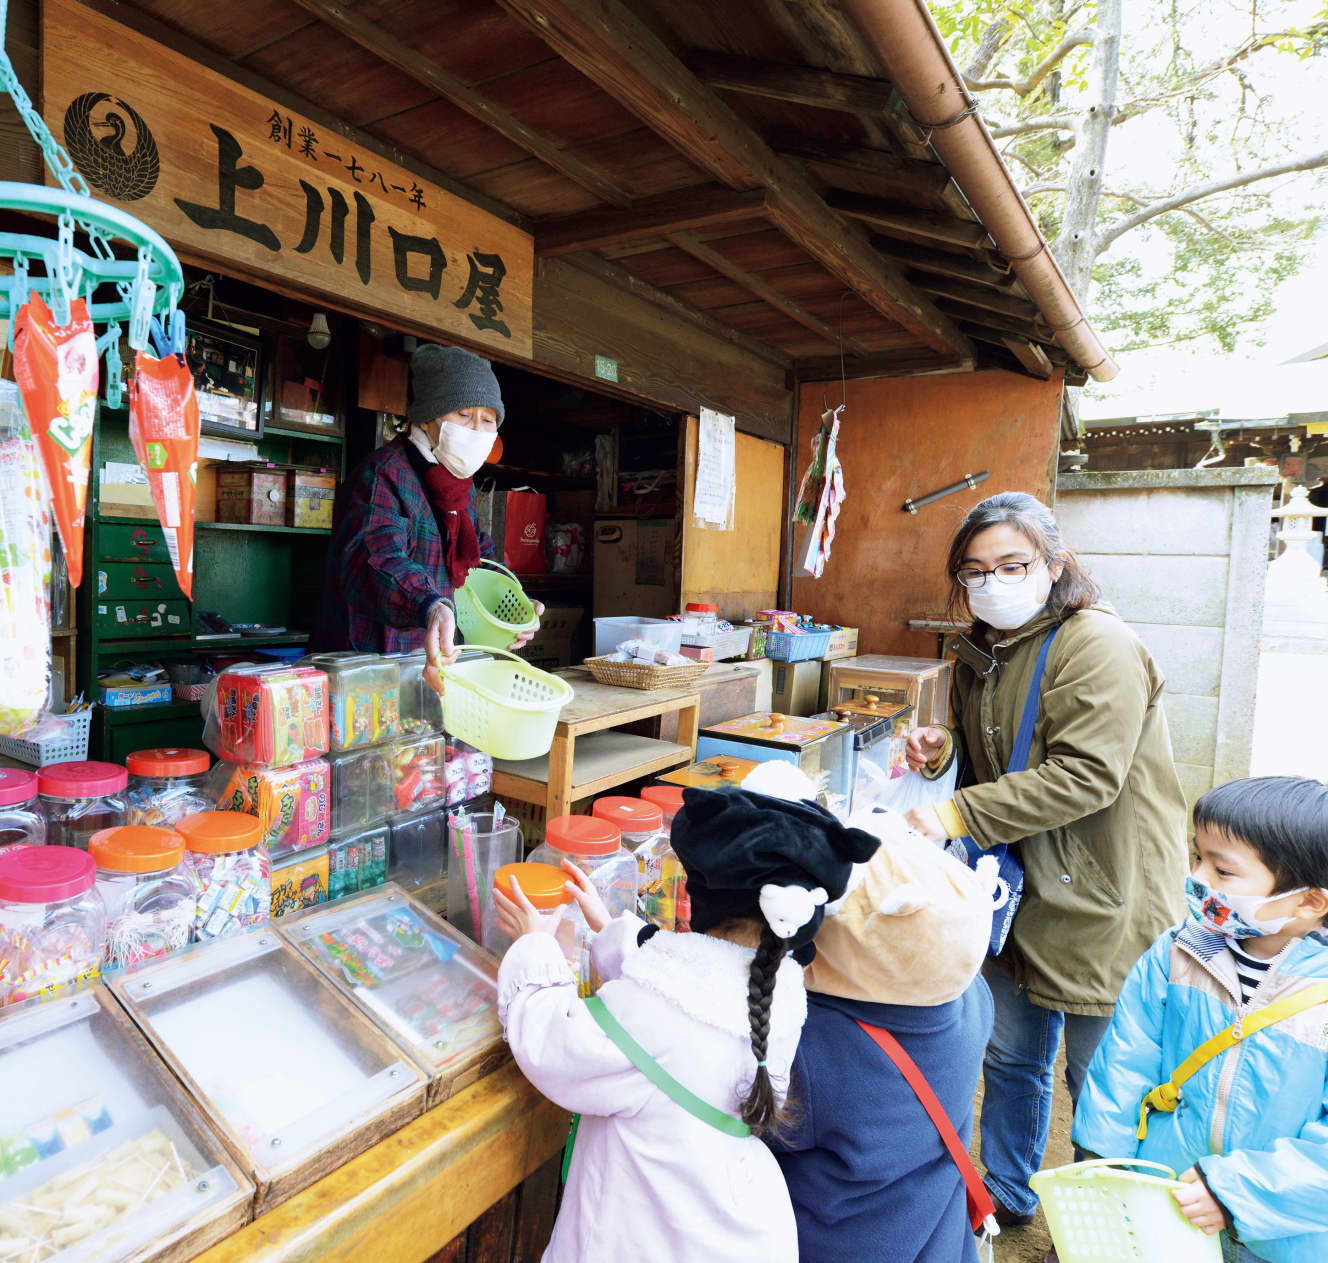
658, 1174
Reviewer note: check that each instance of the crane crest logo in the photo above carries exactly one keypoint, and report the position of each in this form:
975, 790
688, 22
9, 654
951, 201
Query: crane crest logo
112, 146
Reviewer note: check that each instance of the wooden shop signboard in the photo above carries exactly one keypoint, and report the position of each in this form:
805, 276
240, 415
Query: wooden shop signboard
234, 179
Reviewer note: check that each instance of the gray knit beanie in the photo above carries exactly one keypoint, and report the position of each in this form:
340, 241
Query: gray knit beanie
447, 378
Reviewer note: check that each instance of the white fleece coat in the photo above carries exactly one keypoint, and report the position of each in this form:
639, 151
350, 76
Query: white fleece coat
649, 1181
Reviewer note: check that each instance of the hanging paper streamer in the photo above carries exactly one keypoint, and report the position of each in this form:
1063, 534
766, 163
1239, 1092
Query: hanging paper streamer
163, 427
57, 371
820, 497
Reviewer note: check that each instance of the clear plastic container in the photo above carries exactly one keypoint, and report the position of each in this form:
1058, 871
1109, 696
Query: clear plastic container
595, 847
658, 869
230, 870
293, 805
418, 772
418, 856
52, 921
148, 895
638, 821
80, 799
421, 705
469, 773
165, 784
668, 798
270, 716
361, 787
357, 861
700, 619
546, 888
477, 850
365, 697
22, 821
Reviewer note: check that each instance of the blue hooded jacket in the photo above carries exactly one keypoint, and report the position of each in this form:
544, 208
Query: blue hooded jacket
1254, 1120
865, 1166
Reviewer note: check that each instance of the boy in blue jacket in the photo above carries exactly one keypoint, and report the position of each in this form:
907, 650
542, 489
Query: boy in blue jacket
1249, 1129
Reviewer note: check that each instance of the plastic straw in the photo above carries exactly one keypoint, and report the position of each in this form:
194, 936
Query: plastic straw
472, 891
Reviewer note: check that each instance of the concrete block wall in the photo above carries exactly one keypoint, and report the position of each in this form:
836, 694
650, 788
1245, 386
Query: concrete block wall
1181, 555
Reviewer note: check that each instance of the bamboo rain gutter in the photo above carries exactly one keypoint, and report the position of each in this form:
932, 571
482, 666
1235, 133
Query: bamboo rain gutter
904, 36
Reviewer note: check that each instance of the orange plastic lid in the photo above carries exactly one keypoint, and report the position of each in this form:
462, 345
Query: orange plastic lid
212, 832
168, 761
544, 885
136, 848
631, 815
666, 797
583, 835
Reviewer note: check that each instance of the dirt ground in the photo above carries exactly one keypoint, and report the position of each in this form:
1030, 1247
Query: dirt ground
1028, 1245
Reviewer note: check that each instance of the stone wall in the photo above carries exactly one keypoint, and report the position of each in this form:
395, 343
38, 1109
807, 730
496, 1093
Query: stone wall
1181, 554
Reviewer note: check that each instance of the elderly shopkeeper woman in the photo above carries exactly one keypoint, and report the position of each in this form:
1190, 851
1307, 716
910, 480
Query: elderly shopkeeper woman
1098, 815
407, 533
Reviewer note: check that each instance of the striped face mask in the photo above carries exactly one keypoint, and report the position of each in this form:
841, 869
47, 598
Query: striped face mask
1235, 916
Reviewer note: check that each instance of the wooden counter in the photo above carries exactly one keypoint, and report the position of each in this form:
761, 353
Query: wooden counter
485, 1160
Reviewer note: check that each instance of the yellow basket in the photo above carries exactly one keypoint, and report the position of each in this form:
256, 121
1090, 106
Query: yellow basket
507, 709
1105, 1212
641, 675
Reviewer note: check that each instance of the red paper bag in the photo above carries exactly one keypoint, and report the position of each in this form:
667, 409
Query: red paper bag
523, 534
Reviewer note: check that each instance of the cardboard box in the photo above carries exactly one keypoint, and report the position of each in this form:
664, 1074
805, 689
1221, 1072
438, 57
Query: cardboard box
635, 567
843, 644
796, 687
765, 683
551, 647
121, 696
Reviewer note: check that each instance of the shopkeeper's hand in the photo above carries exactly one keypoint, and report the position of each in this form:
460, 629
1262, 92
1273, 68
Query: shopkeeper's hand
582, 889
525, 638
924, 744
1198, 1205
928, 823
440, 636
518, 916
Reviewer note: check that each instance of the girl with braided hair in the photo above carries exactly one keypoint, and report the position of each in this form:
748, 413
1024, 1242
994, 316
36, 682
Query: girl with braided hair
682, 1061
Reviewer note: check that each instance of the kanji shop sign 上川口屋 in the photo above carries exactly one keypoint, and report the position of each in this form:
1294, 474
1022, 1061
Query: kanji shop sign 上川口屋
230, 177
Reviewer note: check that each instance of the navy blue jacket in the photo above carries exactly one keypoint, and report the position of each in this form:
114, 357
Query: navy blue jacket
866, 1169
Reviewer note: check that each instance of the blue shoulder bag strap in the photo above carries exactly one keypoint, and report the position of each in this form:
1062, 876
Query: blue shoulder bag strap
1023, 737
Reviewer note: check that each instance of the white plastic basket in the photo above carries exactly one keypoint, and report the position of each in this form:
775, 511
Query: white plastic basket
67, 746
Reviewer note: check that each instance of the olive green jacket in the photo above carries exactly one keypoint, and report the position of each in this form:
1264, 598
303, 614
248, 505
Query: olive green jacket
1099, 816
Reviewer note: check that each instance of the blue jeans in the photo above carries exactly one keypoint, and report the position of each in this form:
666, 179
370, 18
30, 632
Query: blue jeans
1234, 1252
1017, 1077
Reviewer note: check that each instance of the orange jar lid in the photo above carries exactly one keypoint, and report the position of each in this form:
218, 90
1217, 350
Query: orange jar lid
668, 798
211, 832
631, 815
136, 848
544, 885
583, 835
168, 761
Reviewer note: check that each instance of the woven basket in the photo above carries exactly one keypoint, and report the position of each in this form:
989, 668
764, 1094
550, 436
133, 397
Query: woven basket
637, 675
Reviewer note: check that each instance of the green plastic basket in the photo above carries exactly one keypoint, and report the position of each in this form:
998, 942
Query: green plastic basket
491, 608
507, 709
1105, 1212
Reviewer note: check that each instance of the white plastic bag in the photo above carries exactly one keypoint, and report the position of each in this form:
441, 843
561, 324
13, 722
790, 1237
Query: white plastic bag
876, 788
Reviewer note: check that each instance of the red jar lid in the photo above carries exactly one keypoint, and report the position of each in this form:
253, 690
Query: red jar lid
544, 885
216, 832
81, 780
668, 798
701, 607
136, 848
583, 835
16, 786
44, 874
631, 815
168, 761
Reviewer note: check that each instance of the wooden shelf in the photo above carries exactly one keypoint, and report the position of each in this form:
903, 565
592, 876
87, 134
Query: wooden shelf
602, 760
274, 530
145, 714
313, 436
191, 644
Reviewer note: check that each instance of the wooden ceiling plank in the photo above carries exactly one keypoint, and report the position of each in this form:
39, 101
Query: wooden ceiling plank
401, 56
923, 179
881, 364
611, 45
1030, 355
767, 294
975, 296
647, 218
887, 217
799, 85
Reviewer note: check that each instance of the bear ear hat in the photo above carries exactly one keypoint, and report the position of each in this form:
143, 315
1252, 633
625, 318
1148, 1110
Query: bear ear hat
787, 909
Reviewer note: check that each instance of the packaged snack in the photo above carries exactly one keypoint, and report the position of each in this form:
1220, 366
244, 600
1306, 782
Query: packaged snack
165, 784
228, 864
149, 897
364, 691
22, 822
270, 716
418, 774
292, 804
299, 880
81, 799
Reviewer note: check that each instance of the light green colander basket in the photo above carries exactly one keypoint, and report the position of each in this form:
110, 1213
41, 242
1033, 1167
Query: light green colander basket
507, 709
1106, 1212
491, 608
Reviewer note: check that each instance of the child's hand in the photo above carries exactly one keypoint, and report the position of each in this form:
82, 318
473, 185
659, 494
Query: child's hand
1198, 1205
518, 916
582, 889
928, 823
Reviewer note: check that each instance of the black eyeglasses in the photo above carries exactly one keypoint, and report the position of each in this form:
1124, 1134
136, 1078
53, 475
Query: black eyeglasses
974, 577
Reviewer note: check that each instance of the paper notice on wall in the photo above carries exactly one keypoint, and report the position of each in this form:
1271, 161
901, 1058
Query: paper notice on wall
716, 471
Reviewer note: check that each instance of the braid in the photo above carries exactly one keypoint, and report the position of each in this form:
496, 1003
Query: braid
760, 1111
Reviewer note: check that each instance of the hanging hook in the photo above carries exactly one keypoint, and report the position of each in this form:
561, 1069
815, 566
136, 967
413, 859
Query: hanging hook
18, 291
109, 343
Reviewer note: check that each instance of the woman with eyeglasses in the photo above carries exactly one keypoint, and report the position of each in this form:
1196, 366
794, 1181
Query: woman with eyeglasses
1098, 815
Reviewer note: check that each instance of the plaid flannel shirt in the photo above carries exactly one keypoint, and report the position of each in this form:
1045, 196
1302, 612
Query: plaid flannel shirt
385, 567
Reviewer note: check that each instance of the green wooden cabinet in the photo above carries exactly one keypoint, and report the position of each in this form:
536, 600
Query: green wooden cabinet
127, 580
138, 542
137, 618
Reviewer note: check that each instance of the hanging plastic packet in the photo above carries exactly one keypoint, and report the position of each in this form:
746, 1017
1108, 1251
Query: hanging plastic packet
25, 573
163, 427
57, 371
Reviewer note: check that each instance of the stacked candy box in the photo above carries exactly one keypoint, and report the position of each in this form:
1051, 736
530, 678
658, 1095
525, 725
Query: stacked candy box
365, 697
469, 773
299, 880
363, 786
292, 804
357, 861
418, 772
269, 716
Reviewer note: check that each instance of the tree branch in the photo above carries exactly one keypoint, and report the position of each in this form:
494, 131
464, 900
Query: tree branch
1306, 162
1022, 87
1134, 199
1049, 123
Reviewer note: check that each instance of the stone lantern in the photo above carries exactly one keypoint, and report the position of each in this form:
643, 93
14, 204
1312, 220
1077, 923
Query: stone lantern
1295, 610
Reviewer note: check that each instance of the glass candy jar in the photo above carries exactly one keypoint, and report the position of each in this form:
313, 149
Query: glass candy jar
165, 784
22, 821
148, 895
81, 799
228, 863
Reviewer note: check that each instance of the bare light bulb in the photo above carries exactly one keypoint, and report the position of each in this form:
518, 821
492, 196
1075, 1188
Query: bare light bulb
319, 334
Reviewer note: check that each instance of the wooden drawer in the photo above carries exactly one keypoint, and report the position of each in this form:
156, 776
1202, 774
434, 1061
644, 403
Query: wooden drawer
123, 541
139, 619
123, 580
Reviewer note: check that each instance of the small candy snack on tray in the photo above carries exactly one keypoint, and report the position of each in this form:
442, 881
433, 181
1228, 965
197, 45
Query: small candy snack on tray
270, 716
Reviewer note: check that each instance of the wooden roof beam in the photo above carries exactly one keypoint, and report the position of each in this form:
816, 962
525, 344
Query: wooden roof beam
958, 267
889, 218
799, 85
880, 364
991, 321
613, 47
1056, 356
401, 56
753, 284
647, 218
1030, 355
976, 296
927, 180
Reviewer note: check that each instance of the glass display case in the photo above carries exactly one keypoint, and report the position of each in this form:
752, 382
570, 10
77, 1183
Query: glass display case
102, 1155
294, 1077
413, 975
880, 740
823, 748
417, 856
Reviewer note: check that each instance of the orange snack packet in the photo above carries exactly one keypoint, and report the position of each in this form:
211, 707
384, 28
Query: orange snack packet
163, 427
58, 374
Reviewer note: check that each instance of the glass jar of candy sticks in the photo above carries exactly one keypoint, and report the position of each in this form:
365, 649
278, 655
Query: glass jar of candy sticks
228, 863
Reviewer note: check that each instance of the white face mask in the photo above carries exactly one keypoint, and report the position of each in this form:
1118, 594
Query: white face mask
1007, 606
461, 450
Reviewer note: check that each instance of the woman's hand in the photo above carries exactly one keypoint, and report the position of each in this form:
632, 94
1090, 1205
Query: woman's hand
518, 916
582, 889
928, 823
1198, 1205
440, 636
924, 744
525, 638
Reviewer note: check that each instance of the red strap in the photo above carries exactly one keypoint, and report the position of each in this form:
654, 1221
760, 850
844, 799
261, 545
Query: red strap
980, 1205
